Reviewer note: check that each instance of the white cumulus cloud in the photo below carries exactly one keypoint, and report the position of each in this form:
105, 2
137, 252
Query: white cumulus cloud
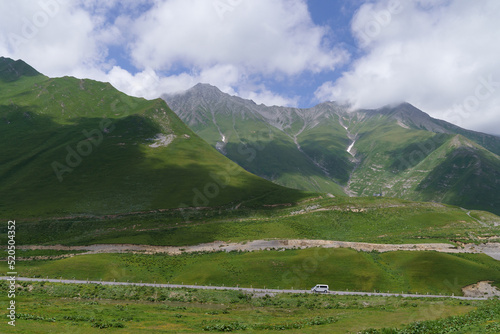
232, 44
441, 56
255, 35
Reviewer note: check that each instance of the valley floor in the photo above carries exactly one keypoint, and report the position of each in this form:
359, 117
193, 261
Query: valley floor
82, 308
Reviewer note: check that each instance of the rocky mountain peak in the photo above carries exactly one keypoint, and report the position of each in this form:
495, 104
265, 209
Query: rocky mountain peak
12, 70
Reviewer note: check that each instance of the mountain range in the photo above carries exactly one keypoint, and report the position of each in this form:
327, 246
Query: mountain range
395, 151
75, 147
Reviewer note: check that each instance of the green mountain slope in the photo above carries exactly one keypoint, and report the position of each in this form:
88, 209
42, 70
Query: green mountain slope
239, 131
410, 116
396, 151
400, 160
72, 146
468, 169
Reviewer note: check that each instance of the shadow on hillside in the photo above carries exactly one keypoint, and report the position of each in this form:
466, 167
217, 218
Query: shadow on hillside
103, 166
411, 155
275, 159
11, 70
465, 178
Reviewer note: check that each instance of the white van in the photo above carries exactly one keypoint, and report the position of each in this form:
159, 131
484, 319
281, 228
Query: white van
320, 288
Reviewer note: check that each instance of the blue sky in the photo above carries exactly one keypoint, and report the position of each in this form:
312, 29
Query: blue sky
440, 55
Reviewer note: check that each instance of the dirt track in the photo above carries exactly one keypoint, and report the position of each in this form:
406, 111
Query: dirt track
482, 289
491, 249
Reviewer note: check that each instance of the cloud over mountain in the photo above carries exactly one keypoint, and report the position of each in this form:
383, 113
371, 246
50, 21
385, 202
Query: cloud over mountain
439, 55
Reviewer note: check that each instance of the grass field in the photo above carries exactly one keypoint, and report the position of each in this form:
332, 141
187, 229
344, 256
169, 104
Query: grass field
379, 220
342, 269
59, 308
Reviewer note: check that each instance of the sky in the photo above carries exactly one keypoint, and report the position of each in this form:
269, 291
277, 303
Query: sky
440, 55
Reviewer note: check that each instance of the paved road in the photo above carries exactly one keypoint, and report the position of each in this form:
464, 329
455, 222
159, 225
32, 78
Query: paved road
252, 290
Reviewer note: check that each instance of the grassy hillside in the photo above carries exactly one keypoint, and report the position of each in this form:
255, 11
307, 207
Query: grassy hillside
421, 165
326, 144
235, 128
341, 269
385, 151
377, 220
269, 153
73, 146
469, 176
